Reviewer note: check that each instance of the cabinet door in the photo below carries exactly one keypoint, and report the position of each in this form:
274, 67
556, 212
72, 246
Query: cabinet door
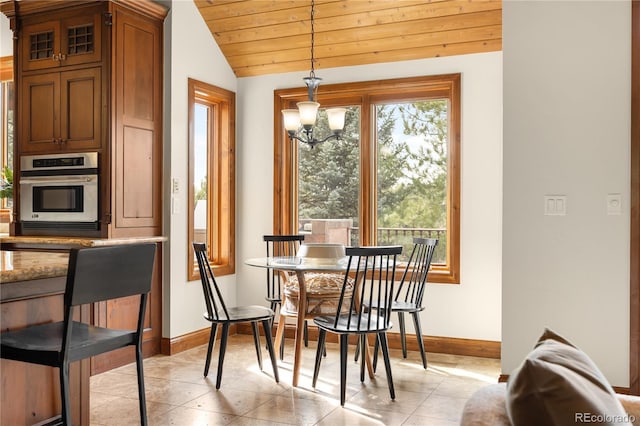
81, 39
61, 111
39, 120
80, 111
137, 150
40, 46
70, 41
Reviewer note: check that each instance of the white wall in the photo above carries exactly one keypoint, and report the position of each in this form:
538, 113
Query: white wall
6, 37
469, 310
194, 54
566, 131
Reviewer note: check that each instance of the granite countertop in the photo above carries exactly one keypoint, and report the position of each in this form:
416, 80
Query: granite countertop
32, 258
53, 243
31, 265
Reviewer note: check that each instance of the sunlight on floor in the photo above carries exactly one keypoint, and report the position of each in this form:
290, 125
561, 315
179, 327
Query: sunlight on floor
178, 394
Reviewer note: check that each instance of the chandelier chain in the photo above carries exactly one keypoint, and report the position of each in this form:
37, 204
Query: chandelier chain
312, 74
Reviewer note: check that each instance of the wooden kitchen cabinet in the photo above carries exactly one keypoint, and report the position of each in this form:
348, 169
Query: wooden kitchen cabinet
68, 37
101, 93
137, 139
60, 111
59, 72
89, 78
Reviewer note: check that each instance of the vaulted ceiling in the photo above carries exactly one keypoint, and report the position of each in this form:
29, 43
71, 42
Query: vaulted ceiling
273, 36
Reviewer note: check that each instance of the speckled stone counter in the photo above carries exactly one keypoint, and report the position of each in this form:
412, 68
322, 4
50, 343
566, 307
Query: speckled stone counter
36, 262
31, 265
66, 243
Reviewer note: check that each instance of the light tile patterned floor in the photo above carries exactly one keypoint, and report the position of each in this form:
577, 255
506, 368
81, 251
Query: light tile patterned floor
178, 394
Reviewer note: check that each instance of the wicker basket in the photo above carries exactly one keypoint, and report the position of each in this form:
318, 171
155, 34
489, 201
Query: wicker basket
323, 294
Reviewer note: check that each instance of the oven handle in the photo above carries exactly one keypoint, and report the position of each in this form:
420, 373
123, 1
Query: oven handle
58, 179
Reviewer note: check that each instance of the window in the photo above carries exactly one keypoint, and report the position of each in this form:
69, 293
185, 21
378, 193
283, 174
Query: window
394, 175
211, 176
6, 135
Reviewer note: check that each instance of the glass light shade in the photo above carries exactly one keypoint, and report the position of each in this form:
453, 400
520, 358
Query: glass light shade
308, 112
336, 118
291, 119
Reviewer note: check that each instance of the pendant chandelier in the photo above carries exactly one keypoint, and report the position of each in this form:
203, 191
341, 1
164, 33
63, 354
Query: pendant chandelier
306, 114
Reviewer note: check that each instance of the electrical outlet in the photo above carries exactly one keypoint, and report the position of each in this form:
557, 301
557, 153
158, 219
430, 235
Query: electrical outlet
175, 185
614, 204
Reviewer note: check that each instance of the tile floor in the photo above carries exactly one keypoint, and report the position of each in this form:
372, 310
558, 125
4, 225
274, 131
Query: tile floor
178, 394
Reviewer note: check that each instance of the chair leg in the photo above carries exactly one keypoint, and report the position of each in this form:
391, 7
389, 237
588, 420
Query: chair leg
344, 344
212, 339
223, 348
274, 307
272, 353
376, 348
64, 393
355, 357
416, 322
306, 335
256, 341
403, 339
141, 394
362, 341
281, 351
382, 337
279, 341
322, 335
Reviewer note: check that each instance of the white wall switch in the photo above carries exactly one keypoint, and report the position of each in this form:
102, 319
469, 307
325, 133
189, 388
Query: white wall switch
555, 205
614, 204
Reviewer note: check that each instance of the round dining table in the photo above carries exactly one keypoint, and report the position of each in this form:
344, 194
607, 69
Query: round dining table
300, 266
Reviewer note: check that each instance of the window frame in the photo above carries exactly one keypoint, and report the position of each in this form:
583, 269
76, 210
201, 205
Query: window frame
366, 94
6, 77
220, 237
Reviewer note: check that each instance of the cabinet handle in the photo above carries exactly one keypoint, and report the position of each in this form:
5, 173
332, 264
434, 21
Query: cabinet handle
62, 57
63, 141
55, 57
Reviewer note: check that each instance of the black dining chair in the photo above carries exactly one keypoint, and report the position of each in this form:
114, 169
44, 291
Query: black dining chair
368, 309
218, 313
281, 245
410, 293
94, 275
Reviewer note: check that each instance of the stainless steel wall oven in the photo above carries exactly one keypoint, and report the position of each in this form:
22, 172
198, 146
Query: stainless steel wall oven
59, 191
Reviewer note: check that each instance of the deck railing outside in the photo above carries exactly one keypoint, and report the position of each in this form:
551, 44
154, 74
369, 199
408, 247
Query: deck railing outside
342, 231
404, 237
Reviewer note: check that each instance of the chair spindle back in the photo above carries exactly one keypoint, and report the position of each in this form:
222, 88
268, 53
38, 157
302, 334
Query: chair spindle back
414, 278
373, 270
212, 297
279, 245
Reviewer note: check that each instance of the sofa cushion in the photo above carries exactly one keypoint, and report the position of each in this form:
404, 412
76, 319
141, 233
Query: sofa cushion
558, 384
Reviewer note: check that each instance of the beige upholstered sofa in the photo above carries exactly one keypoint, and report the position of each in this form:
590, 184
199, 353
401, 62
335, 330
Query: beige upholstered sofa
487, 407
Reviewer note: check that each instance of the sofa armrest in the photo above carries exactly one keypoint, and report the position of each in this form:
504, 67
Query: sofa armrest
487, 406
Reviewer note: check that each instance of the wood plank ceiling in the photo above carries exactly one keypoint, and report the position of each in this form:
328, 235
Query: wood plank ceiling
273, 36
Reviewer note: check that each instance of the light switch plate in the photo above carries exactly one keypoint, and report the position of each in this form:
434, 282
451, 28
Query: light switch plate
555, 205
614, 204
